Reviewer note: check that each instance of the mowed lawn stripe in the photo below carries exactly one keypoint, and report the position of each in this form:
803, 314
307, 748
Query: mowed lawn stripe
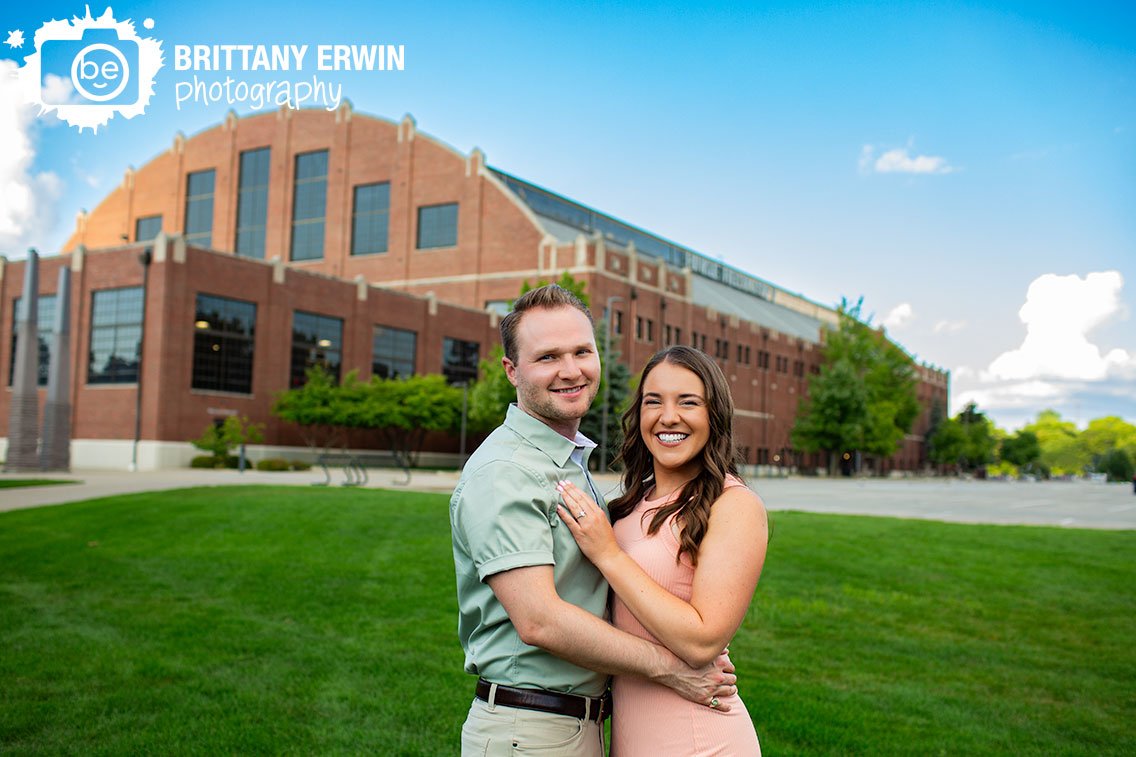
297, 620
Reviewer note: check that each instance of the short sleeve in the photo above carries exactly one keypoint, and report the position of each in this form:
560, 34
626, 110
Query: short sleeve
502, 516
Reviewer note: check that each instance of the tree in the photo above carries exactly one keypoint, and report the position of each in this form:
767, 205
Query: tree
967, 441
1105, 435
490, 395
619, 394
1021, 449
567, 281
864, 396
1116, 464
220, 438
1061, 451
313, 408
405, 410
832, 416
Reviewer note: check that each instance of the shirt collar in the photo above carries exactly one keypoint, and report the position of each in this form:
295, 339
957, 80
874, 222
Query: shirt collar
557, 447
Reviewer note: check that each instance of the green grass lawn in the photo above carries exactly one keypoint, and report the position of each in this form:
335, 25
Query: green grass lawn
292, 620
12, 483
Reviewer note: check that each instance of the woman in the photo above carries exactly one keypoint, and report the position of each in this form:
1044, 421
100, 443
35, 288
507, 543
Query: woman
683, 556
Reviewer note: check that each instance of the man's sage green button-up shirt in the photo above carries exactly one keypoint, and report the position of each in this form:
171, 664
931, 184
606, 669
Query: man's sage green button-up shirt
503, 516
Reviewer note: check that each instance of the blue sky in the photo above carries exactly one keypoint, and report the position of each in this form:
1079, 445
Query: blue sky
950, 162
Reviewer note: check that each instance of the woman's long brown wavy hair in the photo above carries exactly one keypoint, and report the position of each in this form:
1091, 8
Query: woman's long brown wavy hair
719, 456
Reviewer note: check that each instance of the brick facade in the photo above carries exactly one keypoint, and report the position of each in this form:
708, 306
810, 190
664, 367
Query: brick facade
501, 243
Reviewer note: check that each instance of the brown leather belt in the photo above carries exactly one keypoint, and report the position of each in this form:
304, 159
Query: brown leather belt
548, 701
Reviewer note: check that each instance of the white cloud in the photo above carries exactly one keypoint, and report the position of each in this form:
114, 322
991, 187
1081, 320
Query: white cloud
1056, 365
898, 315
900, 160
1058, 313
949, 327
27, 199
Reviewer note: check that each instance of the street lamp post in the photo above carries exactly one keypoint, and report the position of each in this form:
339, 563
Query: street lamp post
606, 383
145, 258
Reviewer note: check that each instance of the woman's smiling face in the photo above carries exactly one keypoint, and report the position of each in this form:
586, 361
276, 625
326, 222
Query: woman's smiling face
673, 419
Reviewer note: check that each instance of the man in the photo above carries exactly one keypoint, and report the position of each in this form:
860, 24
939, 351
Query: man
531, 606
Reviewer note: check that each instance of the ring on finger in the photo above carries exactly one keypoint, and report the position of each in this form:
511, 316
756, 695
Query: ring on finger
714, 702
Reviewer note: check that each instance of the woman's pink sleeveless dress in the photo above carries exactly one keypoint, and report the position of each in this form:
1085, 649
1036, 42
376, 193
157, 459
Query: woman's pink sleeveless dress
650, 720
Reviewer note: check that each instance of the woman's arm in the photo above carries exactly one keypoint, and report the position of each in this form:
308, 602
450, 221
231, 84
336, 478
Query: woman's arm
729, 563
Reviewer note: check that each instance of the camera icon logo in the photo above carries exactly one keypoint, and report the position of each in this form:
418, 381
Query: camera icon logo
101, 66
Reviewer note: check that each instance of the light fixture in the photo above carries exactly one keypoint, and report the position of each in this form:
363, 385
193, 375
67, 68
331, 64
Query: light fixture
201, 324
324, 343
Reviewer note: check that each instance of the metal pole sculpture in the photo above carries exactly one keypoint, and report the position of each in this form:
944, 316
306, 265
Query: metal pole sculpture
23, 419
55, 451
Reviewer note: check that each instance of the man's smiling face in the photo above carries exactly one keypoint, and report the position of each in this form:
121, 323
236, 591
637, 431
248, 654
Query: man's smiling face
557, 371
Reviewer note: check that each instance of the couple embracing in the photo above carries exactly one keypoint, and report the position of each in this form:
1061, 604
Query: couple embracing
560, 592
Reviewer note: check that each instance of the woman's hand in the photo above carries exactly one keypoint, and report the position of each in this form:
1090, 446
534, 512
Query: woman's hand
588, 523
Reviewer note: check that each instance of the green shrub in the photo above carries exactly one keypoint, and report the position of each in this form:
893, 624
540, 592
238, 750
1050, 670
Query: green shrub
301, 465
273, 464
203, 461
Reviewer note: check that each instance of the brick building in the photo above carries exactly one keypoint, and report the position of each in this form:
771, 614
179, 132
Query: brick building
347, 235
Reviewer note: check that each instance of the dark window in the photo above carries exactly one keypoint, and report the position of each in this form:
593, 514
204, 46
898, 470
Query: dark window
393, 352
45, 327
678, 335
617, 323
763, 360
438, 226
252, 202
650, 330
316, 340
309, 205
223, 332
459, 360
147, 228
741, 353
694, 339
668, 334
116, 336
369, 219
199, 207
638, 327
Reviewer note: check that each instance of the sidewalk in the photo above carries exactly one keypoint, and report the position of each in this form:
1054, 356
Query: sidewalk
1076, 504
103, 483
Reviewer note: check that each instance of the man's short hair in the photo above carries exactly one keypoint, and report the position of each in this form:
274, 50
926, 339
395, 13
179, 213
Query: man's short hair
548, 297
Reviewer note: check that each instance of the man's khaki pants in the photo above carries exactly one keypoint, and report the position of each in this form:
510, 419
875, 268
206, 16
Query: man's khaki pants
493, 730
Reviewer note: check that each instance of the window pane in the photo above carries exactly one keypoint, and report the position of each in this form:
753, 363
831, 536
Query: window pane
147, 228
252, 202
45, 329
438, 226
393, 352
116, 336
199, 207
223, 344
309, 205
316, 340
369, 222
459, 360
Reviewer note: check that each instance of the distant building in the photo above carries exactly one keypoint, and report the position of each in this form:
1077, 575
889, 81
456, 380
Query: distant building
300, 236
